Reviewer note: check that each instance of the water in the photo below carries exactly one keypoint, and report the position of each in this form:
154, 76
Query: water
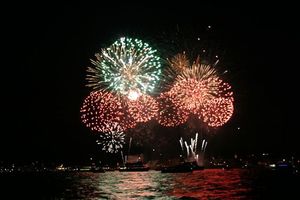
206, 184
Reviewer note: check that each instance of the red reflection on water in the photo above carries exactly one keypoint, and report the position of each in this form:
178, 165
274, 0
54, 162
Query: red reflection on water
211, 184
136, 185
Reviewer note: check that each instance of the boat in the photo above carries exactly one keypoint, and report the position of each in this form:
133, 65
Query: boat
107, 168
97, 170
180, 168
134, 163
134, 167
195, 166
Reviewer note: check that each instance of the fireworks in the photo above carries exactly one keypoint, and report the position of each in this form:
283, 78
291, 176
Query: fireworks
193, 84
124, 75
100, 109
182, 69
143, 108
198, 89
179, 62
127, 65
169, 114
112, 141
192, 152
190, 94
133, 95
217, 112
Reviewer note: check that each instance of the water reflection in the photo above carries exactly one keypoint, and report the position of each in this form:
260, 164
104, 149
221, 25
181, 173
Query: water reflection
207, 184
212, 184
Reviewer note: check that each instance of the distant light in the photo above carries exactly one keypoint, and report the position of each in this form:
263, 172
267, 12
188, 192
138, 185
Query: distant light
209, 26
198, 39
217, 56
203, 50
153, 149
283, 165
272, 165
238, 128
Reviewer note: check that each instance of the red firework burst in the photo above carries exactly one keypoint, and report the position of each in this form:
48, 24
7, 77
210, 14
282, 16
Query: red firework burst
198, 89
217, 111
100, 109
143, 108
169, 114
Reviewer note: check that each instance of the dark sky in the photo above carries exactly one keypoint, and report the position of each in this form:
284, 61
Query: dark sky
47, 49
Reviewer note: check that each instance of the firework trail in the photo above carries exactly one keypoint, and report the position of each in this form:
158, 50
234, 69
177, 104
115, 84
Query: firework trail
181, 144
123, 160
187, 149
192, 150
202, 146
130, 141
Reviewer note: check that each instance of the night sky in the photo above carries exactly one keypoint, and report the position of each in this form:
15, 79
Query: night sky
47, 50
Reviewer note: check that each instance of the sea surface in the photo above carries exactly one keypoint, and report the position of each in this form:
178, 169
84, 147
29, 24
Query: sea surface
203, 184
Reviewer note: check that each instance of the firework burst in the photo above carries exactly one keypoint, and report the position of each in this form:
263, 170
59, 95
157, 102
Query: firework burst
113, 140
217, 111
100, 109
169, 114
143, 108
196, 87
182, 69
127, 65
190, 94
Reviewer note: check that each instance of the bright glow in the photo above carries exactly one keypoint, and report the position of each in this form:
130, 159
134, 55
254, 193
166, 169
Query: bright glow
133, 95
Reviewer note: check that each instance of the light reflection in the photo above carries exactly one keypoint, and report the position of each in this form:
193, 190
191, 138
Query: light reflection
204, 184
